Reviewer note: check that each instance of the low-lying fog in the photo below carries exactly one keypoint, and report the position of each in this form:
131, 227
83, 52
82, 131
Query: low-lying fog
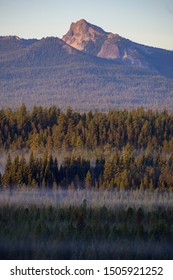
148, 200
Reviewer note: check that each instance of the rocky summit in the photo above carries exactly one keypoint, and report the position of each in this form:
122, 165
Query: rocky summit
93, 40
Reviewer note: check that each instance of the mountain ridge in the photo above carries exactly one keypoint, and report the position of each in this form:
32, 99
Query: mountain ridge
51, 72
84, 37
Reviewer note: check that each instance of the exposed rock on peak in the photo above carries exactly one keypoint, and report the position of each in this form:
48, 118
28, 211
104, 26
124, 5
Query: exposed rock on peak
95, 41
82, 27
92, 39
85, 36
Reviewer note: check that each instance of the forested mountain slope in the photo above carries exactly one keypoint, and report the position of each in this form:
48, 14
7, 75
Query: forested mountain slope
50, 72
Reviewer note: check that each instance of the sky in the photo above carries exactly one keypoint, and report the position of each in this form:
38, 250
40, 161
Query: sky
148, 22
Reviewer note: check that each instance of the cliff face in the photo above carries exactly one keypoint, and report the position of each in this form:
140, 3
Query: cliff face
92, 39
85, 37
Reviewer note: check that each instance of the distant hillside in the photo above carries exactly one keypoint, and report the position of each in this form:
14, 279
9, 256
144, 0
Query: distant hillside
51, 72
12, 44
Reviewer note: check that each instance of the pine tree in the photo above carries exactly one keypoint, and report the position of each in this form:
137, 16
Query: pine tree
7, 177
22, 177
108, 175
88, 180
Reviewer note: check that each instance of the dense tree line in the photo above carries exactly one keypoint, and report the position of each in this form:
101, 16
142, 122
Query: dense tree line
136, 148
126, 169
52, 128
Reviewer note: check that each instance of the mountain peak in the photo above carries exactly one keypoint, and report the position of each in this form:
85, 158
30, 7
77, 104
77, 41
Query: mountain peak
82, 33
93, 40
82, 23
82, 26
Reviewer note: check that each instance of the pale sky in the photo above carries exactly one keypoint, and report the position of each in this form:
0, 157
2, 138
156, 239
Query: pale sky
149, 22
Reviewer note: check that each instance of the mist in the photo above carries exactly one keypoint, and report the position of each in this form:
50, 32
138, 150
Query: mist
27, 196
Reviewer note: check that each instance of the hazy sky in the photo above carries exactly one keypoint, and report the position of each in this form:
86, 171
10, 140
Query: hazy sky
144, 21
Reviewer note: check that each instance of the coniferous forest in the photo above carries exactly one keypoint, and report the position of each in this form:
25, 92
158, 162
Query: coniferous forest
95, 185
